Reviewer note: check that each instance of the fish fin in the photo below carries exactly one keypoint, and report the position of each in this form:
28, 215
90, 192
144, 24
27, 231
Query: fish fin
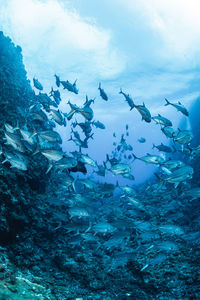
107, 158
167, 102
146, 266
99, 86
34, 133
179, 102
73, 184
36, 151
176, 184
49, 168
17, 126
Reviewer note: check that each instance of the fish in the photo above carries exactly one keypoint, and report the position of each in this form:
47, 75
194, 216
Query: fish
67, 181
168, 131
79, 212
9, 128
16, 161
183, 137
98, 124
193, 193
51, 154
179, 175
169, 165
87, 160
64, 163
145, 113
162, 120
88, 102
120, 168
142, 140
128, 176
14, 140
57, 80
37, 84
102, 93
49, 136
39, 115
103, 228
71, 87
128, 190
162, 148
27, 136
58, 117
171, 229
128, 99
88, 183
86, 112
178, 106
74, 109
46, 101
149, 158
56, 96
85, 126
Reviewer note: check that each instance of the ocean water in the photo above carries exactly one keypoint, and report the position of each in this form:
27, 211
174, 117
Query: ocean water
86, 220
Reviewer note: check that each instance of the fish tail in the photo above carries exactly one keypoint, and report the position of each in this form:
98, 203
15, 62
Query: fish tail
174, 149
134, 156
91, 136
154, 146
99, 86
167, 102
120, 92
